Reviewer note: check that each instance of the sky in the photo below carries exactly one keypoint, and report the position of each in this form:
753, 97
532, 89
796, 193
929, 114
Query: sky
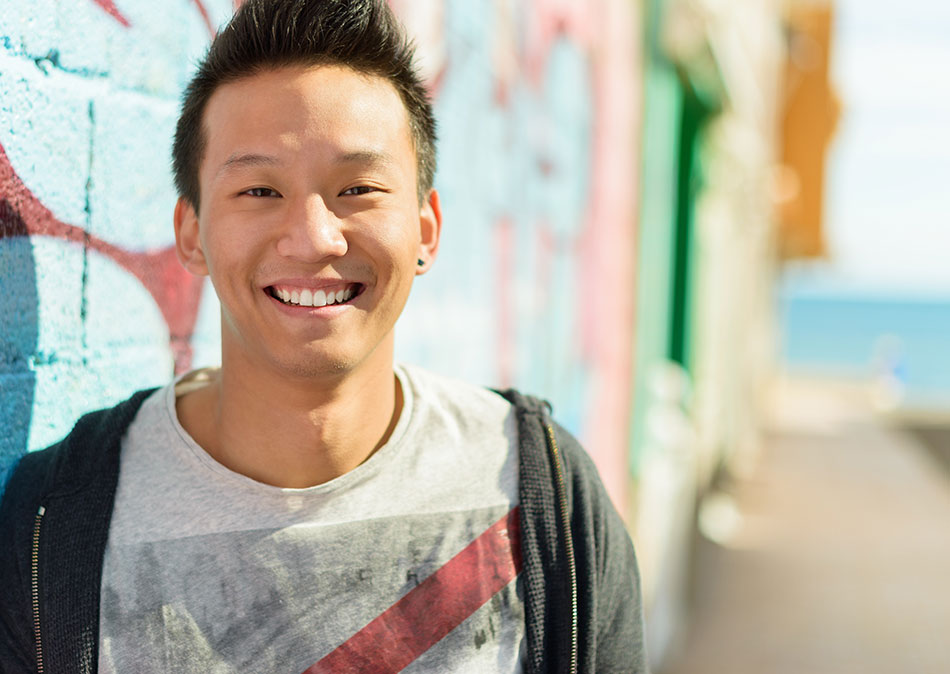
887, 214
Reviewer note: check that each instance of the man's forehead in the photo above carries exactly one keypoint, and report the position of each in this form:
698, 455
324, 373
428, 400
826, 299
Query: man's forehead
355, 109
321, 81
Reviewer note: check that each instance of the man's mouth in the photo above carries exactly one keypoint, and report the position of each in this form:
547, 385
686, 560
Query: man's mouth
306, 297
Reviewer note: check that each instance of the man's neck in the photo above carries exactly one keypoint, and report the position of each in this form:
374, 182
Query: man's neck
293, 432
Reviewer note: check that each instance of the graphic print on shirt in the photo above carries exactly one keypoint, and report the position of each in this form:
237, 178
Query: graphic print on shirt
416, 594
435, 607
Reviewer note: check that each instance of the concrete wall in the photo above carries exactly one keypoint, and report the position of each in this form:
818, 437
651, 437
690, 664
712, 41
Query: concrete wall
537, 102
94, 303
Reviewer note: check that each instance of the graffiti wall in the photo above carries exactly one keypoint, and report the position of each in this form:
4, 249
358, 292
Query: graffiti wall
94, 302
537, 103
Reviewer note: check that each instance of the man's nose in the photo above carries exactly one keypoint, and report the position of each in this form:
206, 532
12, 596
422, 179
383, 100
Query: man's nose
311, 232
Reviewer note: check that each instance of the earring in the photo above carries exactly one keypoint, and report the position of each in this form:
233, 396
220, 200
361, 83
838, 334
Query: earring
420, 262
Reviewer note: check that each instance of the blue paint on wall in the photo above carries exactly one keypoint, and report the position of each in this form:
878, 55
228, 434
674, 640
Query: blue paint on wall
19, 331
87, 107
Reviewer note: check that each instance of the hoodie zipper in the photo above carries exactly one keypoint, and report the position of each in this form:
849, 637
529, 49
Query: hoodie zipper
35, 587
568, 539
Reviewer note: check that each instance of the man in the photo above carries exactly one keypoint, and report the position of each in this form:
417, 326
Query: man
310, 506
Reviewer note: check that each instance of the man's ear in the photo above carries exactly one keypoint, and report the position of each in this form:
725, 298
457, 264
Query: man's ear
187, 242
430, 229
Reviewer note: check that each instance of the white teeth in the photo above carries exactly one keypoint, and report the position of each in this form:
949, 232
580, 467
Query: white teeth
314, 298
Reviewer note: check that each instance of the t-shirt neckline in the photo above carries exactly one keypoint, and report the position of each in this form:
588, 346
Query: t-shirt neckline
188, 381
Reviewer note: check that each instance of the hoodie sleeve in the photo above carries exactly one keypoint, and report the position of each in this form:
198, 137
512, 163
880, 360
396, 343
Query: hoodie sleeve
610, 604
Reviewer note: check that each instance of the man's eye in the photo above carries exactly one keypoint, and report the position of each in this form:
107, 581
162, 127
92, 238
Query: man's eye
260, 192
359, 189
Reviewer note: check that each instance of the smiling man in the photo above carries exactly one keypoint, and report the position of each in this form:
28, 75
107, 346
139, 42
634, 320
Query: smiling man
310, 506
311, 227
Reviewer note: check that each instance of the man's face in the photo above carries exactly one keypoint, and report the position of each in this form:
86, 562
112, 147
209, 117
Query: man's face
308, 196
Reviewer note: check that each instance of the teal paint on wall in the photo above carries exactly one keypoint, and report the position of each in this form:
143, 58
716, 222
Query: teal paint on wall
661, 136
92, 305
534, 283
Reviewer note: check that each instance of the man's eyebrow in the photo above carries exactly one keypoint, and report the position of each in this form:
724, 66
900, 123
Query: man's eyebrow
248, 160
368, 157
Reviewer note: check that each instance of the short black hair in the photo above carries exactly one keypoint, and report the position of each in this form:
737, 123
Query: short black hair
265, 34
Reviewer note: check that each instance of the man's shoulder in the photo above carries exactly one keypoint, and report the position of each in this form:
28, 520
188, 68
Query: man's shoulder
528, 420
462, 391
530, 417
455, 397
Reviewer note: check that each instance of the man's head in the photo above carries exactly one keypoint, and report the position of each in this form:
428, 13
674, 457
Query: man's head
266, 34
308, 141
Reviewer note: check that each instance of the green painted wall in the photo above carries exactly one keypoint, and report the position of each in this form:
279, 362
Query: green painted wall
661, 119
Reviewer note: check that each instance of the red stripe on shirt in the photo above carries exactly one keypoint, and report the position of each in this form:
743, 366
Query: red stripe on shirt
433, 608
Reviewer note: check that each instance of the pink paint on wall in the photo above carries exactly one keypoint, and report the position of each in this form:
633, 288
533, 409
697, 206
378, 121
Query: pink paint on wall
113, 11
608, 319
595, 325
207, 17
176, 292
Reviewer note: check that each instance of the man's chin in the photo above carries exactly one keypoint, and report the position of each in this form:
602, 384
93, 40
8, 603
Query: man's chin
317, 366
326, 358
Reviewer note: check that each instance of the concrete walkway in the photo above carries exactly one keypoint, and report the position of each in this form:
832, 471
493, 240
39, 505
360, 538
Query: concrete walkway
840, 558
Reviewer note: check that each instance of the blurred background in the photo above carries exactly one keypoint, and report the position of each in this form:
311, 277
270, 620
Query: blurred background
712, 232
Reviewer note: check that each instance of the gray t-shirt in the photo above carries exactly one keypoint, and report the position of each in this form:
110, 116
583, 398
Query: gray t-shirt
407, 563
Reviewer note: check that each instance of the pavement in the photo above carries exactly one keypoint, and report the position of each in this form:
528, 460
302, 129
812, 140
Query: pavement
835, 554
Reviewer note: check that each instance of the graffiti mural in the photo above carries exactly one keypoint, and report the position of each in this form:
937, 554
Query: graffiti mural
537, 103
95, 304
